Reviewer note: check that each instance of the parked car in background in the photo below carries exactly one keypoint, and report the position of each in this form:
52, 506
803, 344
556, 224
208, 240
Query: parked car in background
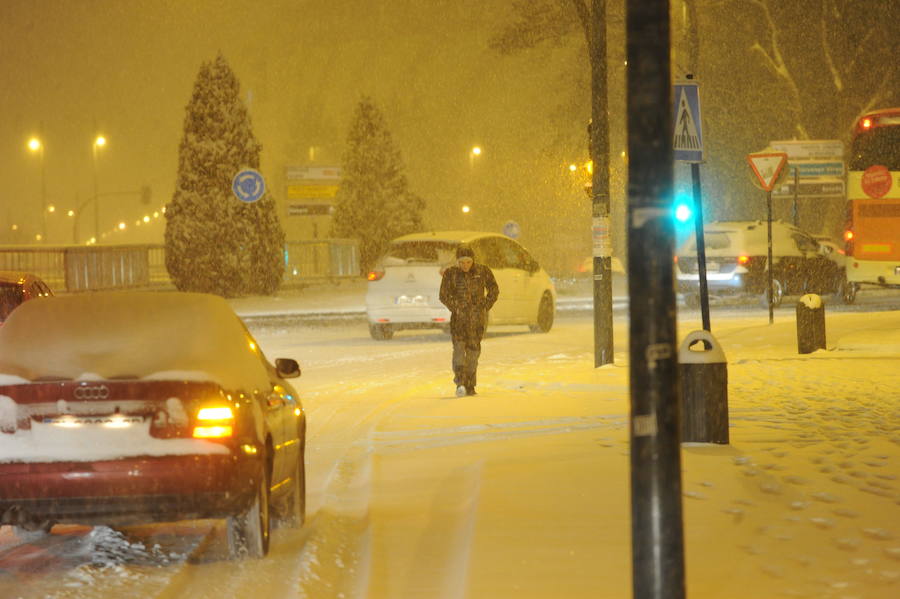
17, 287
834, 251
404, 286
122, 408
736, 262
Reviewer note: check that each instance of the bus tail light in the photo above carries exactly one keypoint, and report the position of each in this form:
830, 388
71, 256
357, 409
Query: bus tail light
743, 260
375, 275
848, 242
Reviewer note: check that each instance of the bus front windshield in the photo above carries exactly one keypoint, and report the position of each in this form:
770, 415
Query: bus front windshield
881, 146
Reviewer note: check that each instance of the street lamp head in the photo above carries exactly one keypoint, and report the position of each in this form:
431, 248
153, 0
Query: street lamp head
476, 151
466, 209
34, 144
100, 141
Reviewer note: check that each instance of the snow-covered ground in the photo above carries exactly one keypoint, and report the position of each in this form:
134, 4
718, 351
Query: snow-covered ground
523, 490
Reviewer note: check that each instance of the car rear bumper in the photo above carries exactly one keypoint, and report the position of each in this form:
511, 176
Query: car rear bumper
733, 283
400, 315
128, 491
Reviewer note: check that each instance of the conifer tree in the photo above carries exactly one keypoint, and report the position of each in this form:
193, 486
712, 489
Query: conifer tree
216, 243
374, 204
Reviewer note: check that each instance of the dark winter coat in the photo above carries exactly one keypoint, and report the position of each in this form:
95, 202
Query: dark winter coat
468, 296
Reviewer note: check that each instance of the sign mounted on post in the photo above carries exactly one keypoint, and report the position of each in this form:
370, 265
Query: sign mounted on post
248, 185
687, 140
512, 229
767, 166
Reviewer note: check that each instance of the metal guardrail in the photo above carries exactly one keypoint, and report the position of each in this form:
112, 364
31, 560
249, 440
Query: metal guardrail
317, 260
101, 267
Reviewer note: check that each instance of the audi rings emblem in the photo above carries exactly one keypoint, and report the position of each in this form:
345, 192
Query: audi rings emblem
92, 392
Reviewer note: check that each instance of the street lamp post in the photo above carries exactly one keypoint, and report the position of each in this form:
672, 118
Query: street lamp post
37, 146
99, 142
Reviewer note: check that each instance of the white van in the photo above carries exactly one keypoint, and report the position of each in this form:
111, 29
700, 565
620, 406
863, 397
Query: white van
405, 283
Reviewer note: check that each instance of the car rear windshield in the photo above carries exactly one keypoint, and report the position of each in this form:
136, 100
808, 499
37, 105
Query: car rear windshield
11, 295
419, 252
712, 240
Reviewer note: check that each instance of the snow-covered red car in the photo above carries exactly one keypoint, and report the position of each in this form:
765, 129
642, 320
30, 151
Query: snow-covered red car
122, 408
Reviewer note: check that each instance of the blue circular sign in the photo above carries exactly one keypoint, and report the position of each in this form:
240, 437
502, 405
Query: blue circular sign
512, 229
248, 185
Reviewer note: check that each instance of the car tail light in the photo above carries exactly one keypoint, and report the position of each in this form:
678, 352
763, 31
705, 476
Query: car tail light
375, 275
675, 259
743, 260
216, 422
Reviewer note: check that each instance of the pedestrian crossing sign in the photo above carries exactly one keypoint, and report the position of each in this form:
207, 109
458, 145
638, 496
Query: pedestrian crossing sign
687, 140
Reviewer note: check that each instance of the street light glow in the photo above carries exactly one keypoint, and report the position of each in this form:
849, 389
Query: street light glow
573, 168
34, 144
51, 208
122, 226
71, 213
466, 209
146, 219
476, 150
38, 237
100, 141
15, 227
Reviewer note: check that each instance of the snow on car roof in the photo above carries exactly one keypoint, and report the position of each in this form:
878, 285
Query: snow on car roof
746, 237
450, 236
130, 334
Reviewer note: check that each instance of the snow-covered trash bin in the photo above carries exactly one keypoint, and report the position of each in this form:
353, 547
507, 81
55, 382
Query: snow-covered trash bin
704, 389
810, 324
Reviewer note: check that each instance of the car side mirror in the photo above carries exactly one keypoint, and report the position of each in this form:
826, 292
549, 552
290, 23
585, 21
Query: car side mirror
532, 266
287, 368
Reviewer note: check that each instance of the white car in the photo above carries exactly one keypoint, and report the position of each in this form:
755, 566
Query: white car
405, 283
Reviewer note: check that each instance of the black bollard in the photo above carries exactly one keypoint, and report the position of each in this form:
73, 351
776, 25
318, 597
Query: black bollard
810, 324
704, 389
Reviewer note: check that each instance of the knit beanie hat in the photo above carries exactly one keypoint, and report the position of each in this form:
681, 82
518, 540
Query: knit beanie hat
464, 251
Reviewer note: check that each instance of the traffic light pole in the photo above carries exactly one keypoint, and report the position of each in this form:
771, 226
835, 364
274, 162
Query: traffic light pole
701, 246
656, 525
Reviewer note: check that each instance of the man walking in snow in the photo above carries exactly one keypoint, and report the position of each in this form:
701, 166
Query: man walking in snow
468, 290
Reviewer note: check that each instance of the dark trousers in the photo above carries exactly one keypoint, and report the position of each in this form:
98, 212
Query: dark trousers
466, 330
465, 361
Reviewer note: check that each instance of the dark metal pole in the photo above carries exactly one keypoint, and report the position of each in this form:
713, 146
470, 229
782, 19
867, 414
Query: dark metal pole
769, 264
701, 246
599, 141
656, 527
796, 195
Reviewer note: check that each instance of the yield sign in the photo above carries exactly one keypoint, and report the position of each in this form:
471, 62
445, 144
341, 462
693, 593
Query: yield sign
767, 167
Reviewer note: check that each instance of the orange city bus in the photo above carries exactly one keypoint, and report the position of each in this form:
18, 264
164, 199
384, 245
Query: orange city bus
872, 234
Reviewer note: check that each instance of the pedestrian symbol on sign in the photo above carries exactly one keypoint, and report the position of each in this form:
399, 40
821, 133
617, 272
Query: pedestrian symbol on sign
687, 135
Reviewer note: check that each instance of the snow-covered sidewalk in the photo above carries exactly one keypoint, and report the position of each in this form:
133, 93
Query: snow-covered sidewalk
523, 490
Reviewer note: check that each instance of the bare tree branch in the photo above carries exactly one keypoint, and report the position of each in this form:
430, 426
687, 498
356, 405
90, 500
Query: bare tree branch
584, 17
826, 50
775, 61
538, 21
